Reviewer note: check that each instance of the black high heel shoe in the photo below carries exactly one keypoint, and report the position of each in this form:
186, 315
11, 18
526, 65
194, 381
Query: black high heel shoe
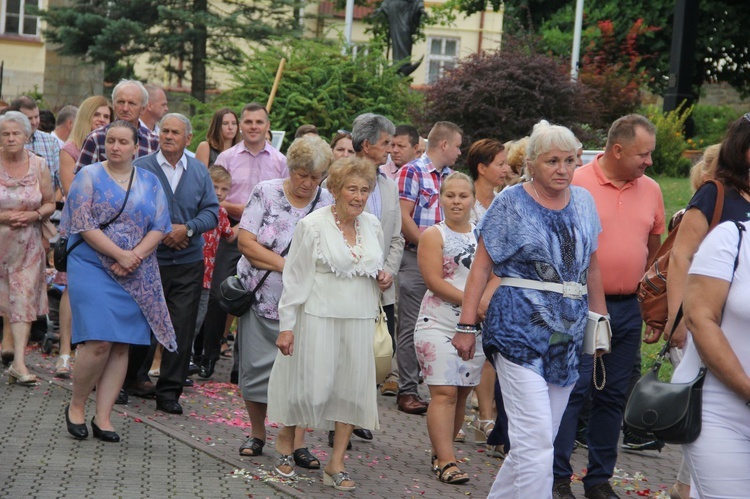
79, 431
104, 435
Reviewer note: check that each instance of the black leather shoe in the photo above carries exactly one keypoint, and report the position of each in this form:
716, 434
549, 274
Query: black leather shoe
331, 434
193, 368
79, 431
561, 489
104, 435
188, 382
363, 433
168, 406
207, 369
601, 491
122, 398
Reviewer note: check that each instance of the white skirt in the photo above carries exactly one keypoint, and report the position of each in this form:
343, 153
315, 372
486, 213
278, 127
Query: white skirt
329, 377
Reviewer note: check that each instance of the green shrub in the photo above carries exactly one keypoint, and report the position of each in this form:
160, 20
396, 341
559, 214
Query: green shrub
319, 86
711, 124
670, 141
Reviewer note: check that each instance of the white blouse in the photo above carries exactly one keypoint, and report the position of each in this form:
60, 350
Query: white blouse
321, 276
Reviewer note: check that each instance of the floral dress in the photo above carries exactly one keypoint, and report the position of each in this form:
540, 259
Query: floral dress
436, 322
23, 293
107, 307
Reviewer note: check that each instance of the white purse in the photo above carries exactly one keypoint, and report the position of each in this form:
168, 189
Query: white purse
597, 340
382, 347
598, 335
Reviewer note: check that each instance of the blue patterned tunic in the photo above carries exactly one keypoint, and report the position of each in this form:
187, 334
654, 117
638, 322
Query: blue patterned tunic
539, 330
107, 307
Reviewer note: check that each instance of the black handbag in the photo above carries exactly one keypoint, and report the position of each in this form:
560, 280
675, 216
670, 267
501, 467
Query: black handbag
669, 411
233, 298
61, 251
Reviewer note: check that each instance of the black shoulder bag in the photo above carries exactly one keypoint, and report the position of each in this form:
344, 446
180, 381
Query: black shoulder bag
669, 411
61, 250
233, 298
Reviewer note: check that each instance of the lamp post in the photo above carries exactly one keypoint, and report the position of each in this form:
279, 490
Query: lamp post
576, 41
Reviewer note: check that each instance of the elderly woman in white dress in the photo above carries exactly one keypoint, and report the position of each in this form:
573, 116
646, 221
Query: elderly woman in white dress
324, 373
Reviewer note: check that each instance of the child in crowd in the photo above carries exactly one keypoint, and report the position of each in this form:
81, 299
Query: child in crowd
222, 181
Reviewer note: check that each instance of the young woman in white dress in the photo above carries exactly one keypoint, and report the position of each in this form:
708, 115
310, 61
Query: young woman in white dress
445, 254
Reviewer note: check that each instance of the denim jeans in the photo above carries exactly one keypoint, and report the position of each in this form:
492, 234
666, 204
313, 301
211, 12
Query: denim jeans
608, 404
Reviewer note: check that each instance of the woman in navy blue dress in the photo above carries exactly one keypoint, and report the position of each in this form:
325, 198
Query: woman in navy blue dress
113, 276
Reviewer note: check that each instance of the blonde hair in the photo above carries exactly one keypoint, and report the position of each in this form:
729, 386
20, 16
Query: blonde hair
516, 160
347, 167
458, 176
705, 169
219, 174
309, 153
82, 123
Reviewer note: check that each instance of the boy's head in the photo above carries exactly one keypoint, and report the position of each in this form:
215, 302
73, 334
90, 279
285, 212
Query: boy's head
222, 180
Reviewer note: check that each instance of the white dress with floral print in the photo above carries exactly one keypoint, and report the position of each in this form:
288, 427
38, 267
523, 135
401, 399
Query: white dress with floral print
437, 319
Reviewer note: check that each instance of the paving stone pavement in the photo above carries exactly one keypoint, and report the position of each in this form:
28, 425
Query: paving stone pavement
196, 454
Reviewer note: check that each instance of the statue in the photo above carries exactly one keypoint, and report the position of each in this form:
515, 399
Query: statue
404, 17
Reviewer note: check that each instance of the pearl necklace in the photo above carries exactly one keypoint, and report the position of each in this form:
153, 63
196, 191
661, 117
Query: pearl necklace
357, 251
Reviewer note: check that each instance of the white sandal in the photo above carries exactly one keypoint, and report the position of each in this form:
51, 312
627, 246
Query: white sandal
337, 479
283, 460
482, 429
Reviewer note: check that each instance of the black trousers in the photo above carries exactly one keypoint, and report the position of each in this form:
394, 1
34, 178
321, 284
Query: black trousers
227, 256
182, 290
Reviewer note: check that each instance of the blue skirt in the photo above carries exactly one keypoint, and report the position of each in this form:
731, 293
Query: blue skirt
102, 309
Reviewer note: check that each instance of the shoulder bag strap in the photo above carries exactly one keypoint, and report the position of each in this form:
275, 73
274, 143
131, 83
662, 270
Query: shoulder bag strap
286, 250
719, 206
109, 222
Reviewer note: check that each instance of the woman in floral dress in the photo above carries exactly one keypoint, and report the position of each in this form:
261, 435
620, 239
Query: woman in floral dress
445, 254
115, 287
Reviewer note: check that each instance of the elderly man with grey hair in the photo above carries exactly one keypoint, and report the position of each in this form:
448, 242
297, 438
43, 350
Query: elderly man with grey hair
129, 97
193, 209
64, 124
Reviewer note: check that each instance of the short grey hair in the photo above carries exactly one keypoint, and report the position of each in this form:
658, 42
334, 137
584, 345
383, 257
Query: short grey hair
17, 117
124, 83
368, 127
181, 117
310, 153
546, 137
65, 114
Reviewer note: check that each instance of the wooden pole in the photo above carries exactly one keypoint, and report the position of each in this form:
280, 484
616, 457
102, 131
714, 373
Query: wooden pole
275, 84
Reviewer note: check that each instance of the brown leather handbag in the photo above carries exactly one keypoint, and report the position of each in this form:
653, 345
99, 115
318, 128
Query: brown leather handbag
652, 290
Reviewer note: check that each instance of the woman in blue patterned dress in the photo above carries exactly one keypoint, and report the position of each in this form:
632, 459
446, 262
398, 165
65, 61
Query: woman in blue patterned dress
113, 276
445, 253
540, 238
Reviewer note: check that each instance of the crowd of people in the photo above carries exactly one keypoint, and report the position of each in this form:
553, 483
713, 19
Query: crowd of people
486, 280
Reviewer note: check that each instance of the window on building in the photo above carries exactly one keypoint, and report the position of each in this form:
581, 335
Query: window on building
18, 17
442, 56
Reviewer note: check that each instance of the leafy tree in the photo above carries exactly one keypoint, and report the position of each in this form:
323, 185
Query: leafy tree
721, 48
503, 94
318, 86
191, 31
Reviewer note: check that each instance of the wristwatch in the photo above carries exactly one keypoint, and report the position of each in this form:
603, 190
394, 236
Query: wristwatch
190, 231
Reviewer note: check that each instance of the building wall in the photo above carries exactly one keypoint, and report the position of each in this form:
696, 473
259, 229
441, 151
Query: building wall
70, 80
480, 31
23, 66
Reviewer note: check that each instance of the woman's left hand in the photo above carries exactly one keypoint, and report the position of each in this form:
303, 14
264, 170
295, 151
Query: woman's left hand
285, 342
22, 218
385, 280
465, 345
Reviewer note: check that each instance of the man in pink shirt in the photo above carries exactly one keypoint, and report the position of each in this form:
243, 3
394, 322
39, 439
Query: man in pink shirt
404, 147
249, 162
631, 210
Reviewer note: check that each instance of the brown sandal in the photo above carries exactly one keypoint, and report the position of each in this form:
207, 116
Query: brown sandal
454, 477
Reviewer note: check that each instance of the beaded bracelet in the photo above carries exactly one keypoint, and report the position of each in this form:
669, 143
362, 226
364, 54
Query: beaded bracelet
468, 328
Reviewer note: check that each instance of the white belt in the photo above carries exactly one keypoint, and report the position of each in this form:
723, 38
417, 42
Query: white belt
572, 290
